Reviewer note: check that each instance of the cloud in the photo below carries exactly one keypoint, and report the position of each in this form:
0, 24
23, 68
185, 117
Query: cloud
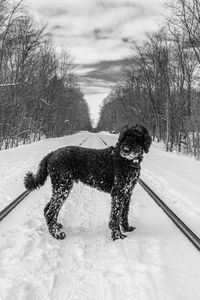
97, 30
95, 86
50, 12
98, 33
109, 71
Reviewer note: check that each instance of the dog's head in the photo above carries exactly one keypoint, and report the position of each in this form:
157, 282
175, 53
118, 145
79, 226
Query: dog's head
134, 141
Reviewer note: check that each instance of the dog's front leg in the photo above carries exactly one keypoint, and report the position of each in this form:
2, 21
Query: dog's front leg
115, 215
124, 216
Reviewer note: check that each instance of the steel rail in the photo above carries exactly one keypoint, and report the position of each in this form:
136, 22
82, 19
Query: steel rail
12, 205
192, 237
21, 197
84, 140
103, 141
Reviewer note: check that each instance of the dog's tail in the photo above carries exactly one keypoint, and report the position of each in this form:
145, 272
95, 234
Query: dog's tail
32, 181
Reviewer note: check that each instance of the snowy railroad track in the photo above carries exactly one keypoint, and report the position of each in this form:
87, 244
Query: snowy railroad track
192, 237
22, 196
155, 262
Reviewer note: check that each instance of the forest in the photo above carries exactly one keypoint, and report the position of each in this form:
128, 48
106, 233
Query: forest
160, 86
39, 92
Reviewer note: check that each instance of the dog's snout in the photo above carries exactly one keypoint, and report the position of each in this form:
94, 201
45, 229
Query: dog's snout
137, 149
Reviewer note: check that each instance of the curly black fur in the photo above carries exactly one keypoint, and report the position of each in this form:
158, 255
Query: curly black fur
114, 170
32, 181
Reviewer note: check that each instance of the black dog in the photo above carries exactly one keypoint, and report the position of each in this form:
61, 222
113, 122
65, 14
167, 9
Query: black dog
114, 170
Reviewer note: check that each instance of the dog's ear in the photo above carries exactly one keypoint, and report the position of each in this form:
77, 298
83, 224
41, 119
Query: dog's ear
123, 133
142, 131
147, 142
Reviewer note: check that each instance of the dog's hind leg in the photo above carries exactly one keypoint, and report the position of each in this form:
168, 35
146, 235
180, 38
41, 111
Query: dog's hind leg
52, 208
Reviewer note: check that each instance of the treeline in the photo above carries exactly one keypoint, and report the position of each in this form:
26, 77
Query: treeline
39, 93
160, 86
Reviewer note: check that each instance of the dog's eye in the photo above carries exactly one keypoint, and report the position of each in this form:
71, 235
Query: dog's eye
126, 149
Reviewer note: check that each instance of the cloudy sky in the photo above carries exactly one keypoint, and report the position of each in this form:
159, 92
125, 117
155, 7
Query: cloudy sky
98, 34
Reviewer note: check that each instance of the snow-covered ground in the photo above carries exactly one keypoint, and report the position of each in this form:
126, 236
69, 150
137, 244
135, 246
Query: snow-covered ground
153, 262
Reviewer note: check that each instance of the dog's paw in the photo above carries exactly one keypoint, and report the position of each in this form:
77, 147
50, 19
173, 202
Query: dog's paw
116, 234
60, 236
122, 236
128, 229
55, 231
